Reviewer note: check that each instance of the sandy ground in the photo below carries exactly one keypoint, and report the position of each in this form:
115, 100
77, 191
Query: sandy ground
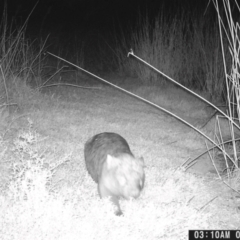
66, 117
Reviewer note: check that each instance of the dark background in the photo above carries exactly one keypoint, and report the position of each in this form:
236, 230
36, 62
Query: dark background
88, 15
93, 13
92, 26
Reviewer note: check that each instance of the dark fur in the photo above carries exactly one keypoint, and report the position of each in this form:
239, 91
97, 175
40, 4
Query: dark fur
111, 164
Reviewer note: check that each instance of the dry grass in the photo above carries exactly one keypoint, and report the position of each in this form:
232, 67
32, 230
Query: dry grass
57, 199
230, 30
185, 48
46, 192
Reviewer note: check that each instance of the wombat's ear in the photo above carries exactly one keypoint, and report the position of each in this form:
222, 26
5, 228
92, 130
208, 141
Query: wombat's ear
112, 162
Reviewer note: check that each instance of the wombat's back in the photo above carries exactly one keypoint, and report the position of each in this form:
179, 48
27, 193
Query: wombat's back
98, 147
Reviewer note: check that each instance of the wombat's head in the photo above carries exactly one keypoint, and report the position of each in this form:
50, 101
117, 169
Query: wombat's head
124, 176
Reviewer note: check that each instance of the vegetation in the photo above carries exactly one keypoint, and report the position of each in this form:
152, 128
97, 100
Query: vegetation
45, 191
185, 48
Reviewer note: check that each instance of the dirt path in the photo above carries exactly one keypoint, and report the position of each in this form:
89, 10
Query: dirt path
150, 132
172, 201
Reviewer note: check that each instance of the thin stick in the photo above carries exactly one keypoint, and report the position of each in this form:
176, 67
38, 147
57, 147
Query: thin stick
66, 84
231, 187
180, 85
53, 75
205, 205
144, 100
213, 162
201, 154
5, 85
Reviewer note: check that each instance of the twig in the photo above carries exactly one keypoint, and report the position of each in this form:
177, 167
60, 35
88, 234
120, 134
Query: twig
213, 162
147, 101
67, 84
208, 119
196, 158
205, 205
52, 76
8, 104
181, 86
231, 187
5, 85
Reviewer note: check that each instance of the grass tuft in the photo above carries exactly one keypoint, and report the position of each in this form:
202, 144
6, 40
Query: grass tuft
184, 48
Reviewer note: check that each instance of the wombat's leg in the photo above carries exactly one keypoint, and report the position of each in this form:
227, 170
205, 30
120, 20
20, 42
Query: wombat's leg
115, 201
104, 192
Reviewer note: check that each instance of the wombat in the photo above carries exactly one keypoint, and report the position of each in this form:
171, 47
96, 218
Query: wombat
111, 164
